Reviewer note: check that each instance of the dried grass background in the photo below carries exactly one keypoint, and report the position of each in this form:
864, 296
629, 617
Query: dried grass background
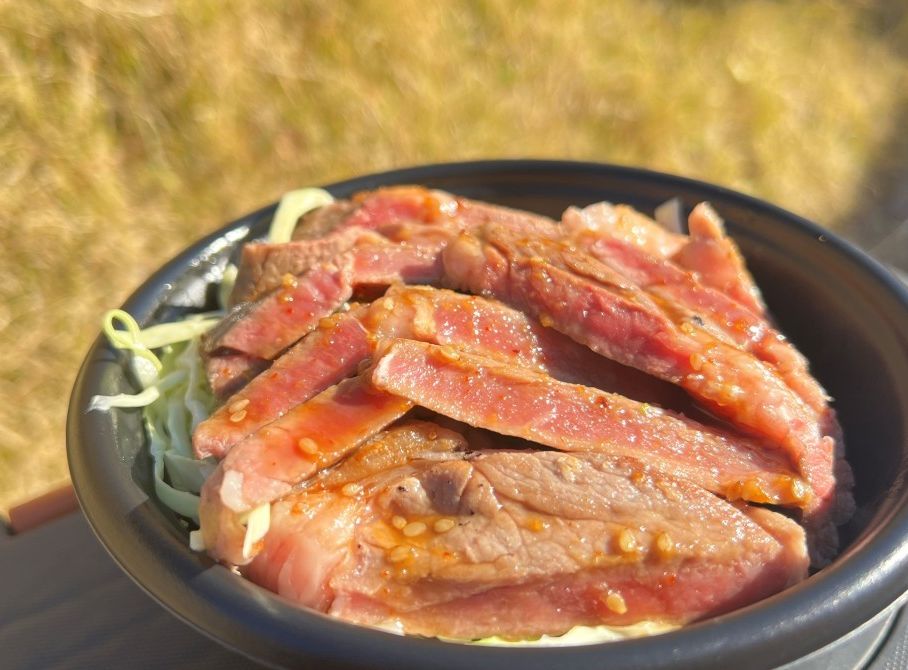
129, 129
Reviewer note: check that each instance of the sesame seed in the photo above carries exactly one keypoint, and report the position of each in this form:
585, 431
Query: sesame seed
236, 417
443, 525
449, 353
307, 445
423, 321
288, 281
615, 602
414, 528
238, 405
696, 361
626, 541
398, 522
536, 524
567, 467
665, 544
753, 491
399, 553
387, 303
798, 490
351, 489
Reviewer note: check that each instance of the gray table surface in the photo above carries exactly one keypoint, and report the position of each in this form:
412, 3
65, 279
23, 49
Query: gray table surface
64, 603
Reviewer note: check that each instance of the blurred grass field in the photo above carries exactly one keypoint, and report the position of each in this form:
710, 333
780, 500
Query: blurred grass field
129, 129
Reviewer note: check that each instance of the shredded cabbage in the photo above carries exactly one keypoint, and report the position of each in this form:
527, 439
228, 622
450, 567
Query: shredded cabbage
668, 215
227, 282
257, 524
105, 403
292, 206
162, 334
584, 635
174, 399
128, 339
174, 395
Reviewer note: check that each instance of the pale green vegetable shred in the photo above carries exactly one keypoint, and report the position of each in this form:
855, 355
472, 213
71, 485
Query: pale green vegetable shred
291, 207
174, 394
173, 401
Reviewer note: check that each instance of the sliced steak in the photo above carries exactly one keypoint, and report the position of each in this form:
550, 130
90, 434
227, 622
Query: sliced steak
322, 221
264, 265
375, 209
623, 223
265, 328
400, 203
230, 372
391, 449
418, 204
513, 544
472, 213
270, 462
703, 273
728, 319
708, 252
417, 263
491, 328
591, 303
597, 306
335, 349
353, 255
738, 325
715, 258
514, 401
320, 360
308, 563
403, 215
673, 307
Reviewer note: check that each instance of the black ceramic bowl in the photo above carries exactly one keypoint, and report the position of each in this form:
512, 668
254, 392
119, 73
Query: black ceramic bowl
843, 310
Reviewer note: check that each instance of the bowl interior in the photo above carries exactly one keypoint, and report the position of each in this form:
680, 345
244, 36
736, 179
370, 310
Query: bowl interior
842, 311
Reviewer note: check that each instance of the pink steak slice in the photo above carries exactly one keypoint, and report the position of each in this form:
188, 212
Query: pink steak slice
520, 544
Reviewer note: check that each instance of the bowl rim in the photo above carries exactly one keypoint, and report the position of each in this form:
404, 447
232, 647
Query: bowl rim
868, 577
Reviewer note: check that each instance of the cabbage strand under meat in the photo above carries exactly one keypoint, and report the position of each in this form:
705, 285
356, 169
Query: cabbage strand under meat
174, 399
